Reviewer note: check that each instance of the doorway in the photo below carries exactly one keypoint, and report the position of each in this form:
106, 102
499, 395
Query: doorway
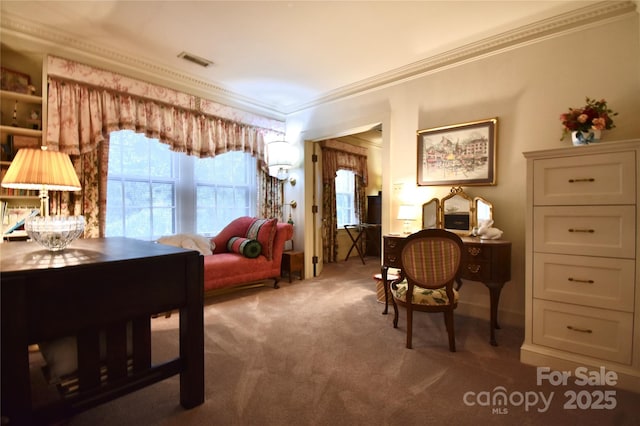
369, 138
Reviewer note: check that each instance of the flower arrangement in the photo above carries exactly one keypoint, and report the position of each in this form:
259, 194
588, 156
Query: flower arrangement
594, 115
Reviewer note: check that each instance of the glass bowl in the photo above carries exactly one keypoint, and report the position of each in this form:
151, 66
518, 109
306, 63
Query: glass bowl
54, 232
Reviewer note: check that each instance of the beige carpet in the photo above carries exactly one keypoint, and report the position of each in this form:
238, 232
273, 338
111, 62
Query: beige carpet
319, 352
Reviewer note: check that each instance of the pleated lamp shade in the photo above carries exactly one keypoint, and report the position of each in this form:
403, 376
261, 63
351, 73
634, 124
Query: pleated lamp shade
37, 169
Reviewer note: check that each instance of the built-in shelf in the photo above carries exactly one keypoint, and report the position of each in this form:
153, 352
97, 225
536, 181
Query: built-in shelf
21, 131
20, 97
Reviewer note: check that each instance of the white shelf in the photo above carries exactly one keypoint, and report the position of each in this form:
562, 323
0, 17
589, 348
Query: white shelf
20, 97
21, 131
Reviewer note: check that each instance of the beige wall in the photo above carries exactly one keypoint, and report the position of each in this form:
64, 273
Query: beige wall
527, 88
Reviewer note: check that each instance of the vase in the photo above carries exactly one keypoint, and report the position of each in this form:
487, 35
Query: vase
585, 137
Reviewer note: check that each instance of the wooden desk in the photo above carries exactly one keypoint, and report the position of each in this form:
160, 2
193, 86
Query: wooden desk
486, 261
98, 285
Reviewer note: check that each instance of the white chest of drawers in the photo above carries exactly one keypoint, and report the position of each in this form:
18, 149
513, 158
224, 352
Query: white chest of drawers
582, 298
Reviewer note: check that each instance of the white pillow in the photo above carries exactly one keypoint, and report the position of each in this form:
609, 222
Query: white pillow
189, 241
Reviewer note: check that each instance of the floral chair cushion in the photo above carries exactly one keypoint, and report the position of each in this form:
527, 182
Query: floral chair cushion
423, 296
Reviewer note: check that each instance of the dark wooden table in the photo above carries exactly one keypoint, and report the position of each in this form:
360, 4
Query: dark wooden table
485, 261
98, 285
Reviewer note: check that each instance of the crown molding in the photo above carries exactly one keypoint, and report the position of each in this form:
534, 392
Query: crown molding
61, 44
72, 48
595, 14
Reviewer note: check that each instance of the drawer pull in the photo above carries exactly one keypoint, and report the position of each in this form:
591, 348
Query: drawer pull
473, 268
589, 231
392, 258
579, 330
582, 180
474, 251
581, 281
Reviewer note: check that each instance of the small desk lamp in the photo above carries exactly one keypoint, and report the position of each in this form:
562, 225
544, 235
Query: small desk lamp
44, 170
406, 213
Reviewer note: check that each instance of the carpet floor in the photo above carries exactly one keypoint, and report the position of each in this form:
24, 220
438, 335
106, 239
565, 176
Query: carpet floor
319, 352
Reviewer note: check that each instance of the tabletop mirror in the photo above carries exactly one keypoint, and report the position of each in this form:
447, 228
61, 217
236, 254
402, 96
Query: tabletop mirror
431, 214
457, 212
483, 210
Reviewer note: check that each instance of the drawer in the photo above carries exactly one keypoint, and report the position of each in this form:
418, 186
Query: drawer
598, 333
600, 282
585, 179
606, 231
477, 252
475, 270
392, 250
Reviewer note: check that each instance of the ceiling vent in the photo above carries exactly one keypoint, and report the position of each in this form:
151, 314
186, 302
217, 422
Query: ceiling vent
195, 59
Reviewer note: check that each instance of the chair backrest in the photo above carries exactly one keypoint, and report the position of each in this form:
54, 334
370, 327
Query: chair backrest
431, 257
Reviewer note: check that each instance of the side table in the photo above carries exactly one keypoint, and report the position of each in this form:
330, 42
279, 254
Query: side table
293, 261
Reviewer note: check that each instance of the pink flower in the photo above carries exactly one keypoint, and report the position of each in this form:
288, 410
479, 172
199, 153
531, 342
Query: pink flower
599, 123
582, 118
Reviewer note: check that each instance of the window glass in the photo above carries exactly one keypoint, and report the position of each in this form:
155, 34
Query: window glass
153, 191
225, 190
345, 205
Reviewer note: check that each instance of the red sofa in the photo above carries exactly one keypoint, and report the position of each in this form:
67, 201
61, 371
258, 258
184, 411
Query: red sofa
226, 269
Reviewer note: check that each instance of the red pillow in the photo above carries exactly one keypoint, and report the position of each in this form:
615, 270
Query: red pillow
263, 230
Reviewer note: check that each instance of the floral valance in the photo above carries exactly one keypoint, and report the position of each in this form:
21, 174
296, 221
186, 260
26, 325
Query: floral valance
338, 155
85, 104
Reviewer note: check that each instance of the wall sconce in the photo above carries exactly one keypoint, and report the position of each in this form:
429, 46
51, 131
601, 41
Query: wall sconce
407, 214
280, 158
292, 205
43, 170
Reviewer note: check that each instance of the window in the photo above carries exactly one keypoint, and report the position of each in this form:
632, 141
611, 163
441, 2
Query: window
345, 205
153, 191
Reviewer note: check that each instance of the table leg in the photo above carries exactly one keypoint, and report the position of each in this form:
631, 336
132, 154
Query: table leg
192, 337
16, 386
385, 284
494, 300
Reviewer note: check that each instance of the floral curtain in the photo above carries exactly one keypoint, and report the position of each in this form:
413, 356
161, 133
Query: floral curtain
270, 195
336, 156
91, 201
80, 118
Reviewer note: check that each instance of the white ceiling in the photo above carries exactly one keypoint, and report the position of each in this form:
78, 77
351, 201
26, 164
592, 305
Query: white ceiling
277, 56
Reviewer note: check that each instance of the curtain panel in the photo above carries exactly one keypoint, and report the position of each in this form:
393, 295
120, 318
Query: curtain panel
336, 156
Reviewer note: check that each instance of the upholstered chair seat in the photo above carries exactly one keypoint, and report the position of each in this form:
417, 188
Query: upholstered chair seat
424, 296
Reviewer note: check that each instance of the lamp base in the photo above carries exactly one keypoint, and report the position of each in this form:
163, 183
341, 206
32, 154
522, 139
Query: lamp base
406, 228
54, 233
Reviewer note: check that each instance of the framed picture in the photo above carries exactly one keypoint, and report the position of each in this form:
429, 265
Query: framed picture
19, 142
459, 154
14, 81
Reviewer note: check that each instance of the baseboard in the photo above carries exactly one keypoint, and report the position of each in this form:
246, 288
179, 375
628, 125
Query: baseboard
505, 318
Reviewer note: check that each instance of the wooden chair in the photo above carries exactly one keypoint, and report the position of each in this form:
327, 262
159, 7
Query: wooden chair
430, 260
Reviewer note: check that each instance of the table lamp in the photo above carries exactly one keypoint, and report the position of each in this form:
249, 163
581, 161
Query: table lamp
44, 170
407, 214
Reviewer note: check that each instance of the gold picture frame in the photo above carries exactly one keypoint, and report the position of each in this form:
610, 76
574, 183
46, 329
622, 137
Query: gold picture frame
14, 81
458, 154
